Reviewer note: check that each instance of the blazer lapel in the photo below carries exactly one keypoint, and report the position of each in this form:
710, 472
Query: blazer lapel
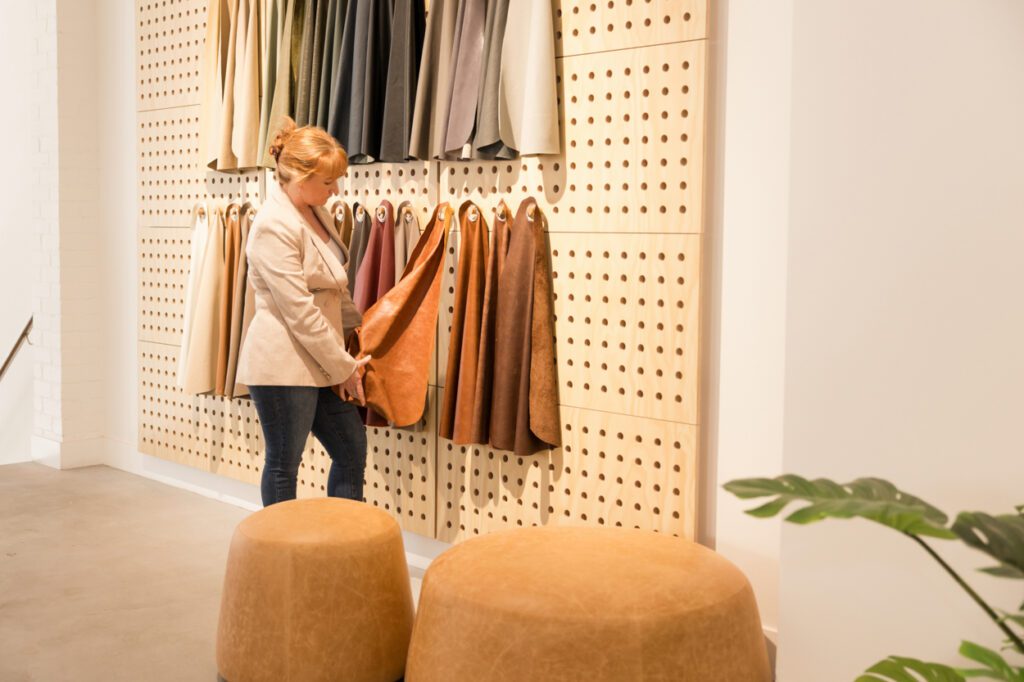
284, 204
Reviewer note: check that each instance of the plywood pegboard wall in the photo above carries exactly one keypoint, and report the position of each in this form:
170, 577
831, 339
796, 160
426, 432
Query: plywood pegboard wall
624, 208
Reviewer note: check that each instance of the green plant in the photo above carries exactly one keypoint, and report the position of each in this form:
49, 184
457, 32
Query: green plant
1000, 537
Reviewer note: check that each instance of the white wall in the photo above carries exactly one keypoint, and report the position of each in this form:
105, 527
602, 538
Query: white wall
904, 316
28, 194
745, 266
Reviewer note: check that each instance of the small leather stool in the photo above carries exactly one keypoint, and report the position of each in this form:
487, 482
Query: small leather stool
315, 590
585, 604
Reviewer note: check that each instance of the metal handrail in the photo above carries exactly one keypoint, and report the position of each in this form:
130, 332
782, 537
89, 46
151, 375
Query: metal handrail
17, 346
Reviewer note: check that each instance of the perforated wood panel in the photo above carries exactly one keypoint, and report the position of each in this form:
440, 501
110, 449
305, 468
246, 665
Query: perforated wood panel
394, 182
632, 130
169, 39
171, 179
612, 470
209, 433
623, 203
163, 264
585, 26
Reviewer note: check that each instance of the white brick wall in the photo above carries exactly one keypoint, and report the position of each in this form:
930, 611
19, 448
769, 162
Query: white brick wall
46, 260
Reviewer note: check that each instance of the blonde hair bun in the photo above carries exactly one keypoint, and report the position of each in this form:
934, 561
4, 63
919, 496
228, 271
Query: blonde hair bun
302, 152
284, 132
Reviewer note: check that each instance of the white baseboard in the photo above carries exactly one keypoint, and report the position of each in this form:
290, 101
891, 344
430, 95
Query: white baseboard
69, 454
46, 451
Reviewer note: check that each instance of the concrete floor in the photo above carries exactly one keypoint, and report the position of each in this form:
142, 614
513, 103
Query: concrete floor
108, 576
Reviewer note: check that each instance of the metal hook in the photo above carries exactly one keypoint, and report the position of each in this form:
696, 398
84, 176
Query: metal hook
530, 212
408, 215
381, 213
360, 213
473, 214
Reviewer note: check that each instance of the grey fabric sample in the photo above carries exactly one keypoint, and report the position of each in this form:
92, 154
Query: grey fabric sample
356, 118
319, 29
430, 116
333, 33
487, 142
361, 224
466, 68
407, 28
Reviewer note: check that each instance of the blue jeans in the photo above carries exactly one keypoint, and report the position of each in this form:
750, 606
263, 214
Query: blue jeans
287, 415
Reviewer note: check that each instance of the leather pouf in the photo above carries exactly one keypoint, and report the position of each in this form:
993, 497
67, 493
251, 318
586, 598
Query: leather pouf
587, 604
315, 590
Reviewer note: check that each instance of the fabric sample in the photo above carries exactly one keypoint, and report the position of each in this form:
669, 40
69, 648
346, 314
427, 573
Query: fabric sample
310, 62
211, 86
524, 403
400, 329
464, 82
355, 116
487, 142
200, 374
527, 94
201, 220
458, 405
357, 246
407, 27
376, 273
342, 215
277, 83
407, 233
430, 116
480, 430
334, 32
241, 305
245, 124
232, 242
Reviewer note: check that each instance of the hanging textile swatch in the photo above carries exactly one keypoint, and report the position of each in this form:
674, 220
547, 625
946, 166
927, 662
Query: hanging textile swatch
524, 408
459, 404
487, 143
230, 97
376, 274
400, 329
480, 430
357, 245
342, 215
336, 10
430, 115
311, 50
276, 83
407, 26
355, 116
465, 79
211, 84
527, 94
232, 241
407, 233
200, 231
199, 374
242, 302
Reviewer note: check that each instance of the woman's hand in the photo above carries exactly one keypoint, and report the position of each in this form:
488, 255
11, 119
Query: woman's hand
353, 386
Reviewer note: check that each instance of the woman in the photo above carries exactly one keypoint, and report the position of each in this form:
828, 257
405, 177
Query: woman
294, 350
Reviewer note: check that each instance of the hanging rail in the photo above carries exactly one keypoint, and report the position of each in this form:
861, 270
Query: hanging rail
17, 346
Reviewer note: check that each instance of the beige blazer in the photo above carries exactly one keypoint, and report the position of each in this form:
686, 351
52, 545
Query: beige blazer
303, 310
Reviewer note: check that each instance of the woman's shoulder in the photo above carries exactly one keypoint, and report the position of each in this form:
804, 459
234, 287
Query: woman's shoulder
271, 218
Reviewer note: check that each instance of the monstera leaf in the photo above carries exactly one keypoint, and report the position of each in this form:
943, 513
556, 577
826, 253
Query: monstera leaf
1001, 537
869, 498
899, 669
995, 666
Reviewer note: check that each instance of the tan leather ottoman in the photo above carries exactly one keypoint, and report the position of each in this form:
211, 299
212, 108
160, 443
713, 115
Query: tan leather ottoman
585, 604
315, 590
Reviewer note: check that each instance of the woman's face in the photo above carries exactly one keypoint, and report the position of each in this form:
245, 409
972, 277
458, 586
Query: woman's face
317, 189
